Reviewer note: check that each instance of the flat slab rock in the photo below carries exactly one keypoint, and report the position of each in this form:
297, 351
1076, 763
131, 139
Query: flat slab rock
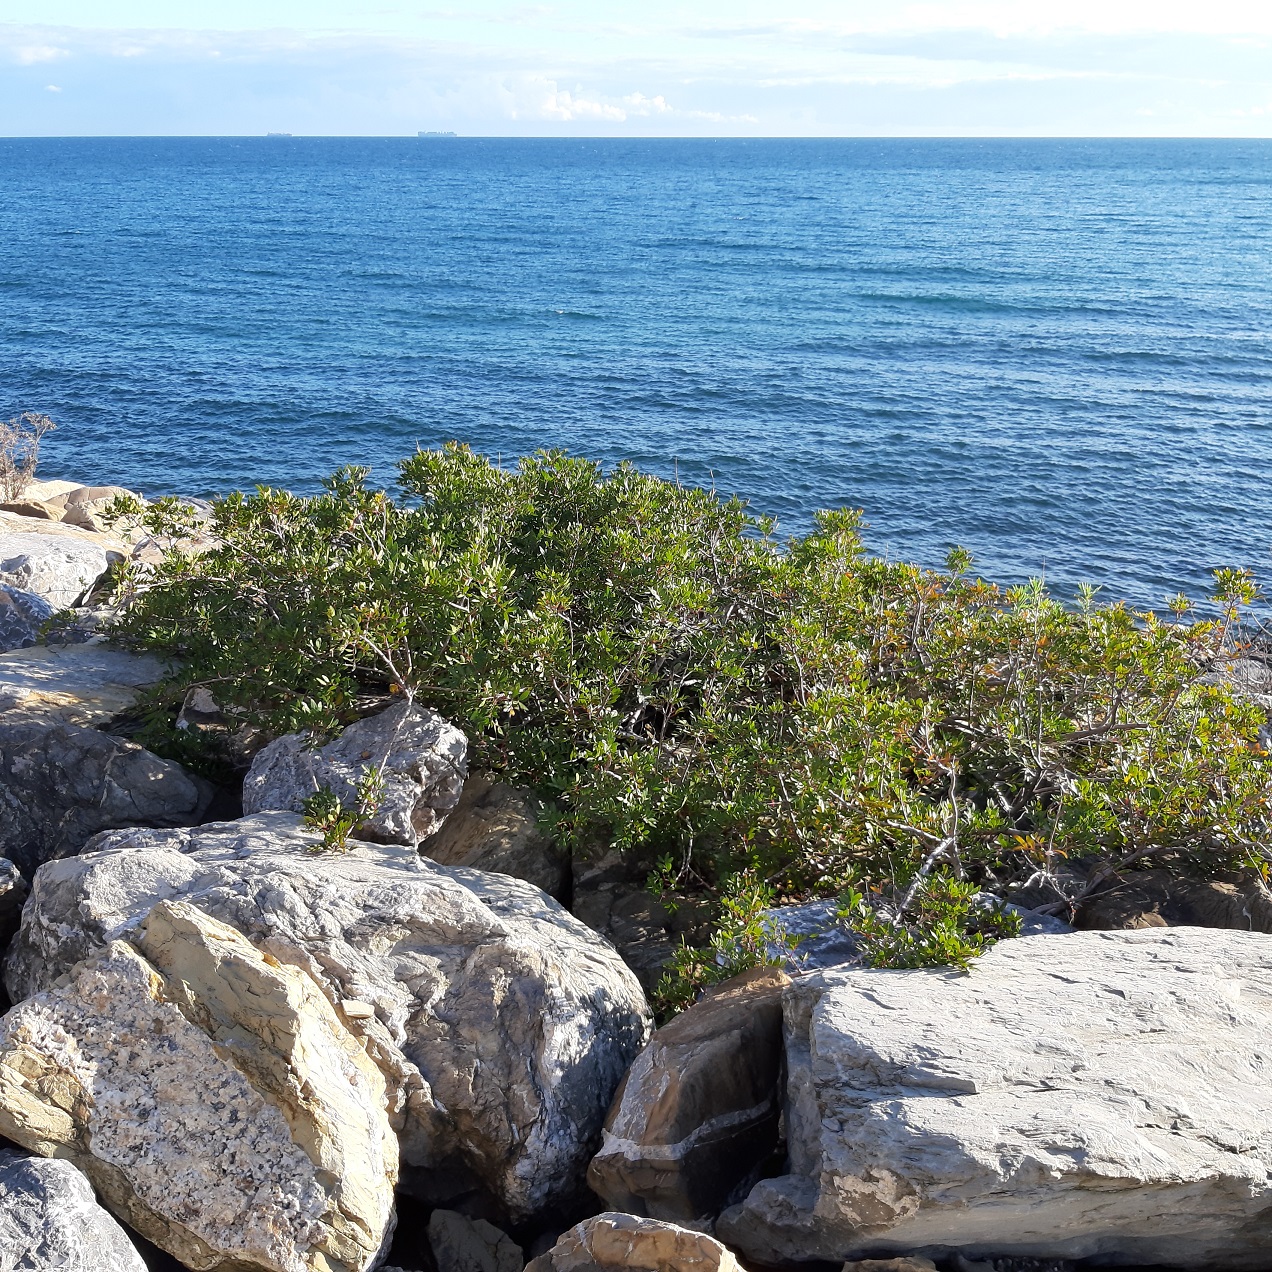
1099, 1095
511, 1022
86, 684
59, 567
51, 1222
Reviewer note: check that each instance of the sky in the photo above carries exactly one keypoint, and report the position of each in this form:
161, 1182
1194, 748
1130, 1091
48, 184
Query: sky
637, 67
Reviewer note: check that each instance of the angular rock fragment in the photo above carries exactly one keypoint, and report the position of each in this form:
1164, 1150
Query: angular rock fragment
496, 827
212, 1096
420, 755
22, 615
698, 1110
51, 1222
13, 895
611, 1241
513, 1023
461, 1244
1092, 1095
61, 784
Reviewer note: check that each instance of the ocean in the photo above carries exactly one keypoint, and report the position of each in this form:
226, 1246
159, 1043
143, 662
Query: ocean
1055, 353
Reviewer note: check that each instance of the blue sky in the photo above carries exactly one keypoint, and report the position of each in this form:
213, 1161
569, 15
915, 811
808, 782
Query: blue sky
717, 67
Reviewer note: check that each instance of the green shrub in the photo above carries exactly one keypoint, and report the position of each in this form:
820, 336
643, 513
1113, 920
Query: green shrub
689, 688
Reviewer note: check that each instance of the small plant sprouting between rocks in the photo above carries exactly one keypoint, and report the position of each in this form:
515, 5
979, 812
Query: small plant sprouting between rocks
682, 684
20, 451
336, 821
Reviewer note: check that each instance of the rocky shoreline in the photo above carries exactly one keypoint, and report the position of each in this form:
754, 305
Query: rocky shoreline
433, 1052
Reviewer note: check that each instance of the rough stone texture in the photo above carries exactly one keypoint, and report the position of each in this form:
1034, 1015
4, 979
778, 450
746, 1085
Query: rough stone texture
22, 614
58, 568
86, 505
520, 1021
51, 1222
1156, 898
461, 1244
617, 1241
212, 1096
13, 895
423, 759
890, 1265
61, 784
698, 1111
1093, 1095
610, 896
496, 827
86, 684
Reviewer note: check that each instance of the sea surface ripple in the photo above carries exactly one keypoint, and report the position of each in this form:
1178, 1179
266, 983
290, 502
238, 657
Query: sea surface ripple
1056, 353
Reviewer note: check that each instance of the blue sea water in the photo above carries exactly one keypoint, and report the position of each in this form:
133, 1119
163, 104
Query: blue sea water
1056, 353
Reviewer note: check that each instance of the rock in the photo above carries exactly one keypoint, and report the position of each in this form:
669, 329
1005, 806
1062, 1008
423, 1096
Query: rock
60, 784
698, 1111
51, 491
13, 895
1092, 1095
57, 568
86, 505
51, 1222
22, 614
610, 896
1157, 898
520, 1021
613, 1241
212, 1096
37, 509
423, 767
86, 684
497, 827
895, 1265
460, 1244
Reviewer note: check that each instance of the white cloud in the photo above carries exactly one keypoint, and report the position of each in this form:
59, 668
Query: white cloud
639, 104
30, 54
52, 88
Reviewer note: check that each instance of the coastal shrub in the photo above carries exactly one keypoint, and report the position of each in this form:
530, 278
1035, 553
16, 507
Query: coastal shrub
20, 451
724, 704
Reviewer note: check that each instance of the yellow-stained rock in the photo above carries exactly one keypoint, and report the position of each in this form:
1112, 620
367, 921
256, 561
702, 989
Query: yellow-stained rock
613, 1241
212, 1096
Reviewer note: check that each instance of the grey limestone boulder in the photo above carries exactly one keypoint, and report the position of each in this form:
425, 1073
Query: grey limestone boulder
58, 568
1094, 1095
510, 1022
61, 784
420, 754
51, 1222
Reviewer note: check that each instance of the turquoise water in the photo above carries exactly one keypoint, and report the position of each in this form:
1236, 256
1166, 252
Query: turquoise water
1058, 354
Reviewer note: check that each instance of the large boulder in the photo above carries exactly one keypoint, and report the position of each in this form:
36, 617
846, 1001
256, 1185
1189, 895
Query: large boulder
58, 568
87, 684
613, 1242
61, 784
513, 1023
214, 1098
1092, 1095
499, 827
461, 1244
51, 1222
698, 1111
13, 895
420, 756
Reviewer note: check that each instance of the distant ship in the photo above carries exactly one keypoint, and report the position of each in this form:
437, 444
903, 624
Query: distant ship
437, 134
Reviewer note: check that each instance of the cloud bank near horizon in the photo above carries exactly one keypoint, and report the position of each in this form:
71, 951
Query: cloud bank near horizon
958, 67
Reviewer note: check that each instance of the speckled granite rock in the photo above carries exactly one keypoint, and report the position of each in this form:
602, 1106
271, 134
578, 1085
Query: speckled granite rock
212, 1096
51, 1222
513, 1022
